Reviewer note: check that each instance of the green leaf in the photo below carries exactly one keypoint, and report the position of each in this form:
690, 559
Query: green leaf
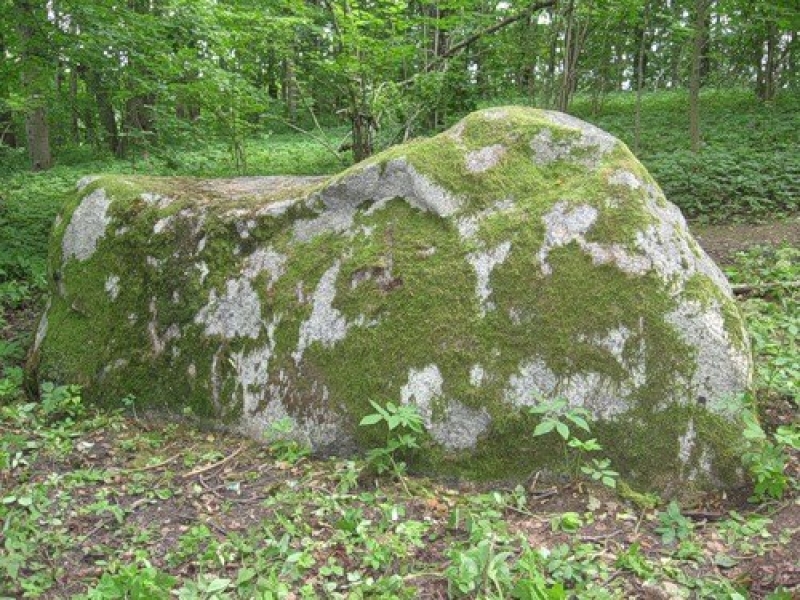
372, 419
579, 421
563, 430
218, 585
543, 428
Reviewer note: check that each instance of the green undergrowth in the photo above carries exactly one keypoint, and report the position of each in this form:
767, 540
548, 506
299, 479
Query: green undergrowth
104, 505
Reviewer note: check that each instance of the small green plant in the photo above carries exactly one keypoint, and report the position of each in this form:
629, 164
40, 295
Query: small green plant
600, 470
480, 571
557, 416
633, 559
205, 587
133, 582
568, 521
766, 458
673, 526
403, 426
281, 443
532, 583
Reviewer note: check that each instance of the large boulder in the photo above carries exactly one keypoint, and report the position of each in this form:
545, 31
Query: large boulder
519, 256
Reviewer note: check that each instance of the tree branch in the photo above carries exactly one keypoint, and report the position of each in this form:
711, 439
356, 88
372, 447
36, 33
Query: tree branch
510, 20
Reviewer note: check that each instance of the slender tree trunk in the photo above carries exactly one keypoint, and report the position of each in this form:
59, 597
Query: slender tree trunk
290, 89
105, 110
768, 87
640, 67
695, 80
37, 130
563, 97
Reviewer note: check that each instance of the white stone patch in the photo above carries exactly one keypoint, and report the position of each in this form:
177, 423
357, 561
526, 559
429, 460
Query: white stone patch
162, 224
625, 178
675, 256
265, 259
252, 371
614, 341
156, 200
397, 179
112, 286
159, 342
85, 182
201, 245
597, 393
722, 369
563, 226
87, 226
461, 425
479, 161
533, 382
276, 209
204, 271
686, 443
41, 330
494, 114
484, 263
546, 149
617, 255
468, 226
427, 252
423, 386
237, 313
476, 375
153, 262
326, 324
243, 228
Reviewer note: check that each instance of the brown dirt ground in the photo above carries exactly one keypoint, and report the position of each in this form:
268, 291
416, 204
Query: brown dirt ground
722, 242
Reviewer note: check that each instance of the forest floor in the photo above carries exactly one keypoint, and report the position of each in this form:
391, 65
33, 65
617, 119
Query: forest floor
722, 242
112, 501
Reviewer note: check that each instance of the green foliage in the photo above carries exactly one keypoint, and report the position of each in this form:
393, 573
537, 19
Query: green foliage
403, 425
766, 458
284, 447
557, 416
773, 315
748, 168
480, 570
133, 582
673, 526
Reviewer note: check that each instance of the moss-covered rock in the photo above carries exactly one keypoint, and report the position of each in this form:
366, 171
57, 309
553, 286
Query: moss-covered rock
521, 255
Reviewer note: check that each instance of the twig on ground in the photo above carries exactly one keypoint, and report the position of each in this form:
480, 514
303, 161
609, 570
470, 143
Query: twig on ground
219, 463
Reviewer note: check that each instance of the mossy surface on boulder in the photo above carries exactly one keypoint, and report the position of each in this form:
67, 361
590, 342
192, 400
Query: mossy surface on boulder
521, 255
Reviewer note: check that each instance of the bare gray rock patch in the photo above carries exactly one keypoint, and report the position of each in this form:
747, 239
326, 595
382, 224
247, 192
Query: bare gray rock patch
87, 226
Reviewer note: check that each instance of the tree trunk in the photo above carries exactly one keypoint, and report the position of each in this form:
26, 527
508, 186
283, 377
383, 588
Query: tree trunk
105, 110
290, 89
563, 97
38, 133
768, 83
695, 79
640, 68
33, 79
362, 125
